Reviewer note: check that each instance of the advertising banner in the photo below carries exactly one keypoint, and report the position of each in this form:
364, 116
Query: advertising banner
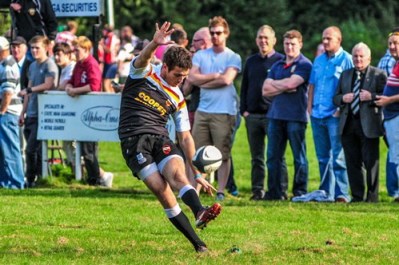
91, 117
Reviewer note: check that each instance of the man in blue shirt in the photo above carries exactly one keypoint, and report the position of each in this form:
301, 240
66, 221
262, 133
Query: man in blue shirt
387, 62
323, 82
287, 83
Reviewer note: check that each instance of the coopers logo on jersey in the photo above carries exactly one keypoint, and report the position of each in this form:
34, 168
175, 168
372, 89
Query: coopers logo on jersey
102, 118
149, 101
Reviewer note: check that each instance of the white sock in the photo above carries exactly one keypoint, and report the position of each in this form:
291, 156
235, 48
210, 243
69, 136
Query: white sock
185, 189
173, 212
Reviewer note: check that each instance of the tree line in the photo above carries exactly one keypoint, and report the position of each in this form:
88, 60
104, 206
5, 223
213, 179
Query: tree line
361, 20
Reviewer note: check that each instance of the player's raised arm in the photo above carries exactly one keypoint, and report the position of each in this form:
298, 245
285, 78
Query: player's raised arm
161, 37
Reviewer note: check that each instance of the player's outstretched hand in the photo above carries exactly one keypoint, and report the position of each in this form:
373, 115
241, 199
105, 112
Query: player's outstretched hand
206, 186
161, 36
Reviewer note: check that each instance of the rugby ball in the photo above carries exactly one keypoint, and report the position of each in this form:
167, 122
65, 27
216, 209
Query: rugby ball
207, 159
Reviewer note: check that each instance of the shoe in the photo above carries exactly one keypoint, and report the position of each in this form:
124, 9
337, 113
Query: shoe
201, 249
268, 197
207, 214
29, 185
257, 196
234, 193
396, 199
341, 200
220, 196
106, 179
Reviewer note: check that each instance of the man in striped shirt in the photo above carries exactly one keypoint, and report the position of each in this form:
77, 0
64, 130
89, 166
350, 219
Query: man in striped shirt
11, 171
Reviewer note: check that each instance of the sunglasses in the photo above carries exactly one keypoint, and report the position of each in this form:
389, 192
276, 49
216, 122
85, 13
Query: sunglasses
396, 33
218, 33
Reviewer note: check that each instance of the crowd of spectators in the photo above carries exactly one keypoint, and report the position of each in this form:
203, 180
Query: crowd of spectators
349, 103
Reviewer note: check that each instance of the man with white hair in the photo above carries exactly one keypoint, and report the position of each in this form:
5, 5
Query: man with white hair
11, 170
361, 122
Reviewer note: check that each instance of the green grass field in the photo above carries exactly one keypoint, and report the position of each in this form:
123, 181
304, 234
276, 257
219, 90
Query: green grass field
70, 223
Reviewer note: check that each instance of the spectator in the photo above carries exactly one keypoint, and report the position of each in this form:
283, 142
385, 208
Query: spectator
110, 45
125, 54
214, 70
201, 41
43, 75
325, 115
287, 83
387, 62
254, 107
34, 17
390, 103
68, 35
162, 48
63, 58
11, 169
86, 77
127, 36
320, 49
361, 123
179, 36
19, 48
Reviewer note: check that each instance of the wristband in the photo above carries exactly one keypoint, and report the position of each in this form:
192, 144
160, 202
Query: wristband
29, 90
197, 176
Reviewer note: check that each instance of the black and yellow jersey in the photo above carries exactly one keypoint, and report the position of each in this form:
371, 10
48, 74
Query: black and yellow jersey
147, 101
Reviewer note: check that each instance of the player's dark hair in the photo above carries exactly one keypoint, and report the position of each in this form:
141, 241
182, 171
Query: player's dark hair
177, 56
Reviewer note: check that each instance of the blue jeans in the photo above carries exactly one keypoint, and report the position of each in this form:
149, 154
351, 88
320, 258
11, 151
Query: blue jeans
279, 132
330, 154
392, 133
11, 170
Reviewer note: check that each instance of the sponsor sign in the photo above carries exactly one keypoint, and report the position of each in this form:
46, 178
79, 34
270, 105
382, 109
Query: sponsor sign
78, 8
91, 117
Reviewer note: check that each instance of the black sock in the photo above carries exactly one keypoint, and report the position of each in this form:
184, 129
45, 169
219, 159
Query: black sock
191, 198
182, 223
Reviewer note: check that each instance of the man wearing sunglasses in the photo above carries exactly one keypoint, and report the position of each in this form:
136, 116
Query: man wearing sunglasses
214, 71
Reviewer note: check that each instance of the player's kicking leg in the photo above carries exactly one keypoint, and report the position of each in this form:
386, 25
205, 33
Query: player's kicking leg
157, 184
174, 172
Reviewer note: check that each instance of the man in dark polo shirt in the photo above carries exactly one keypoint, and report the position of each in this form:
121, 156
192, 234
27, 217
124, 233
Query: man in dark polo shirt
254, 107
287, 82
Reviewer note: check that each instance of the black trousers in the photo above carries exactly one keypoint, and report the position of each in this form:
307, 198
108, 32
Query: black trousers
256, 125
362, 161
90, 155
33, 151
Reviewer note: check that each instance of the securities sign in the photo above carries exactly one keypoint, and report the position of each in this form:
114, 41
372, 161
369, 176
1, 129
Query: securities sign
78, 8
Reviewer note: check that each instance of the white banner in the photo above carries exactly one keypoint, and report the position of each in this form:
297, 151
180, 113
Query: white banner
78, 8
92, 117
